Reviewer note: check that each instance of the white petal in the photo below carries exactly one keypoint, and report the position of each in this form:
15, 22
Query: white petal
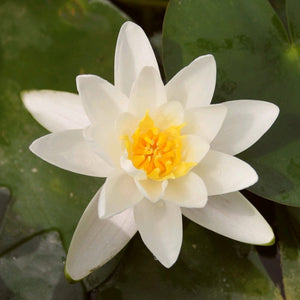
186, 191
127, 124
194, 85
56, 111
147, 92
246, 121
96, 241
105, 142
102, 101
169, 114
133, 53
70, 151
204, 121
223, 173
232, 215
119, 193
151, 189
160, 226
194, 148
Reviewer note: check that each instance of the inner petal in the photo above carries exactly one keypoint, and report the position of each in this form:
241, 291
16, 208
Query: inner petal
158, 152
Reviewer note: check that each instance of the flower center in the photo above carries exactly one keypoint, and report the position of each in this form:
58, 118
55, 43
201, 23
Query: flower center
157, 152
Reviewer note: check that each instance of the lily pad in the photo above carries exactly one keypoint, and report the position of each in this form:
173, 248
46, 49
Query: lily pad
34, 270
44, 45
257, 58
289, 245
209, 267
4, 203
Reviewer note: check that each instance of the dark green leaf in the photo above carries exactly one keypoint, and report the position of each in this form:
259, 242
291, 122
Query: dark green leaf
293, 8
256, 60
4, 203
289, 244
34, 270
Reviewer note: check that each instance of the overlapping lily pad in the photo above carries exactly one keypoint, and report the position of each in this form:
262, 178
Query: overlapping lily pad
44, 45
257, 58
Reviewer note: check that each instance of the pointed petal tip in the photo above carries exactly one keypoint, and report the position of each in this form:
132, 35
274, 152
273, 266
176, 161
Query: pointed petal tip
168, 263
255, 177
129, 25
68, 276
24, 94
276, 110
271, 242
271, 110
33, 147
209, 58
149, 70
101, 213
82, 78
72, 279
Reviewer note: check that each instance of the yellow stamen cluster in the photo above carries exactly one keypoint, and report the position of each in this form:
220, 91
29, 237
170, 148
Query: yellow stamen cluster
157, 152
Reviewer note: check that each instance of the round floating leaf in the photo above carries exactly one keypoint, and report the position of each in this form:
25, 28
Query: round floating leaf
257, 58
44, 45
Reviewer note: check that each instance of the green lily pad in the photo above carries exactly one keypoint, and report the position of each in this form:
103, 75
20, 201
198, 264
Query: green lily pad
34, 270
289, 245
257, 58
4, 203
209, 267
44, 45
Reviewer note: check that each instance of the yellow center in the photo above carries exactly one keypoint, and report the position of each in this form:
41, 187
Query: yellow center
157, 152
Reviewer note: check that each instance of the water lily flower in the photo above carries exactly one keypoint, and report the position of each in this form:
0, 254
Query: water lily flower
164, 150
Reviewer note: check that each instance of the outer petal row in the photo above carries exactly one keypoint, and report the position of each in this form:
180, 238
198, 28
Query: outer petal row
232, 215
96, 241
70, 151
246, 121
56, 111
223, 173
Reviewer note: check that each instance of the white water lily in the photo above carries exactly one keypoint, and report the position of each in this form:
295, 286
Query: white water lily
164, 150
